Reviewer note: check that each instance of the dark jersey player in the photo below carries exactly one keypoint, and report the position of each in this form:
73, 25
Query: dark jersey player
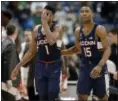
47, 72
92, 67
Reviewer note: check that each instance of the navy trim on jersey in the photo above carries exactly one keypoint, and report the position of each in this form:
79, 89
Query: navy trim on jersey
91, 37
47, 53
91, 32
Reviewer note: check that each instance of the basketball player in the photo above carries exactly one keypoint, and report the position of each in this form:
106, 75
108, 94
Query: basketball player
47, 72
92, 67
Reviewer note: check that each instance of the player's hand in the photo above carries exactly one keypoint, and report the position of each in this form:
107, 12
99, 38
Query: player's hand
95, 72
14, 73
44, 17
115, 76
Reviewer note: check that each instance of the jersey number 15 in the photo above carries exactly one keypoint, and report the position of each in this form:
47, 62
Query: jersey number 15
87, 52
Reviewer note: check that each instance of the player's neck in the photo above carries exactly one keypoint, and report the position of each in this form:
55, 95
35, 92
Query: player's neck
88, 24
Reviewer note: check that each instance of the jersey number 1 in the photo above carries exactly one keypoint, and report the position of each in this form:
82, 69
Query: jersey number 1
47, 50
87, 51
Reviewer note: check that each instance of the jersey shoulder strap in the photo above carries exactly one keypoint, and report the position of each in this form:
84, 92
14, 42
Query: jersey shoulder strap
54, 23
80, 31
94, 31
39, 30
94, 28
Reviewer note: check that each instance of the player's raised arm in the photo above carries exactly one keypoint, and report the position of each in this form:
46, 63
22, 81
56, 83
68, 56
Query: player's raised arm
76, 48
28, 56
52, 37
102, 34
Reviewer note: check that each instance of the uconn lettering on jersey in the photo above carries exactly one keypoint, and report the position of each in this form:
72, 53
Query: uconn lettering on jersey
41, 42
87, 43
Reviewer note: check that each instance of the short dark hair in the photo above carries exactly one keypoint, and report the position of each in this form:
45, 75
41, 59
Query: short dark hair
114, 31
10, 29
7, 14
50, 8
86, 5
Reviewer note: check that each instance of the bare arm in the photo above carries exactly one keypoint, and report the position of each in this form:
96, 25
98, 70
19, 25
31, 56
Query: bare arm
101, 32
75, 49
71, 51
52, 37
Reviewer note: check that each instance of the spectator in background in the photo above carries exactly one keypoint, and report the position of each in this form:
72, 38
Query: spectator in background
6, 16
109, 10
31, 64
22, 13
9, 60
113, 35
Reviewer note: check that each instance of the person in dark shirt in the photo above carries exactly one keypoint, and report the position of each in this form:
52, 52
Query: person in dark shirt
113, 35
9, 60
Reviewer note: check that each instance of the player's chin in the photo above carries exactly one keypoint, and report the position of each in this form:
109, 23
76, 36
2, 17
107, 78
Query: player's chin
85, 20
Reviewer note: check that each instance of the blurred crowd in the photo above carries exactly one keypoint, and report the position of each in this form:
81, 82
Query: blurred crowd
25, 15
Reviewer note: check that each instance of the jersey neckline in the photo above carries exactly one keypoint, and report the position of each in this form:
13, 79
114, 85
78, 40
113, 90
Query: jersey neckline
89, 33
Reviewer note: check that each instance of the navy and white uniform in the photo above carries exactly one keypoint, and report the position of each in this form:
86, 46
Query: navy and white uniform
89, 59
48, 67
